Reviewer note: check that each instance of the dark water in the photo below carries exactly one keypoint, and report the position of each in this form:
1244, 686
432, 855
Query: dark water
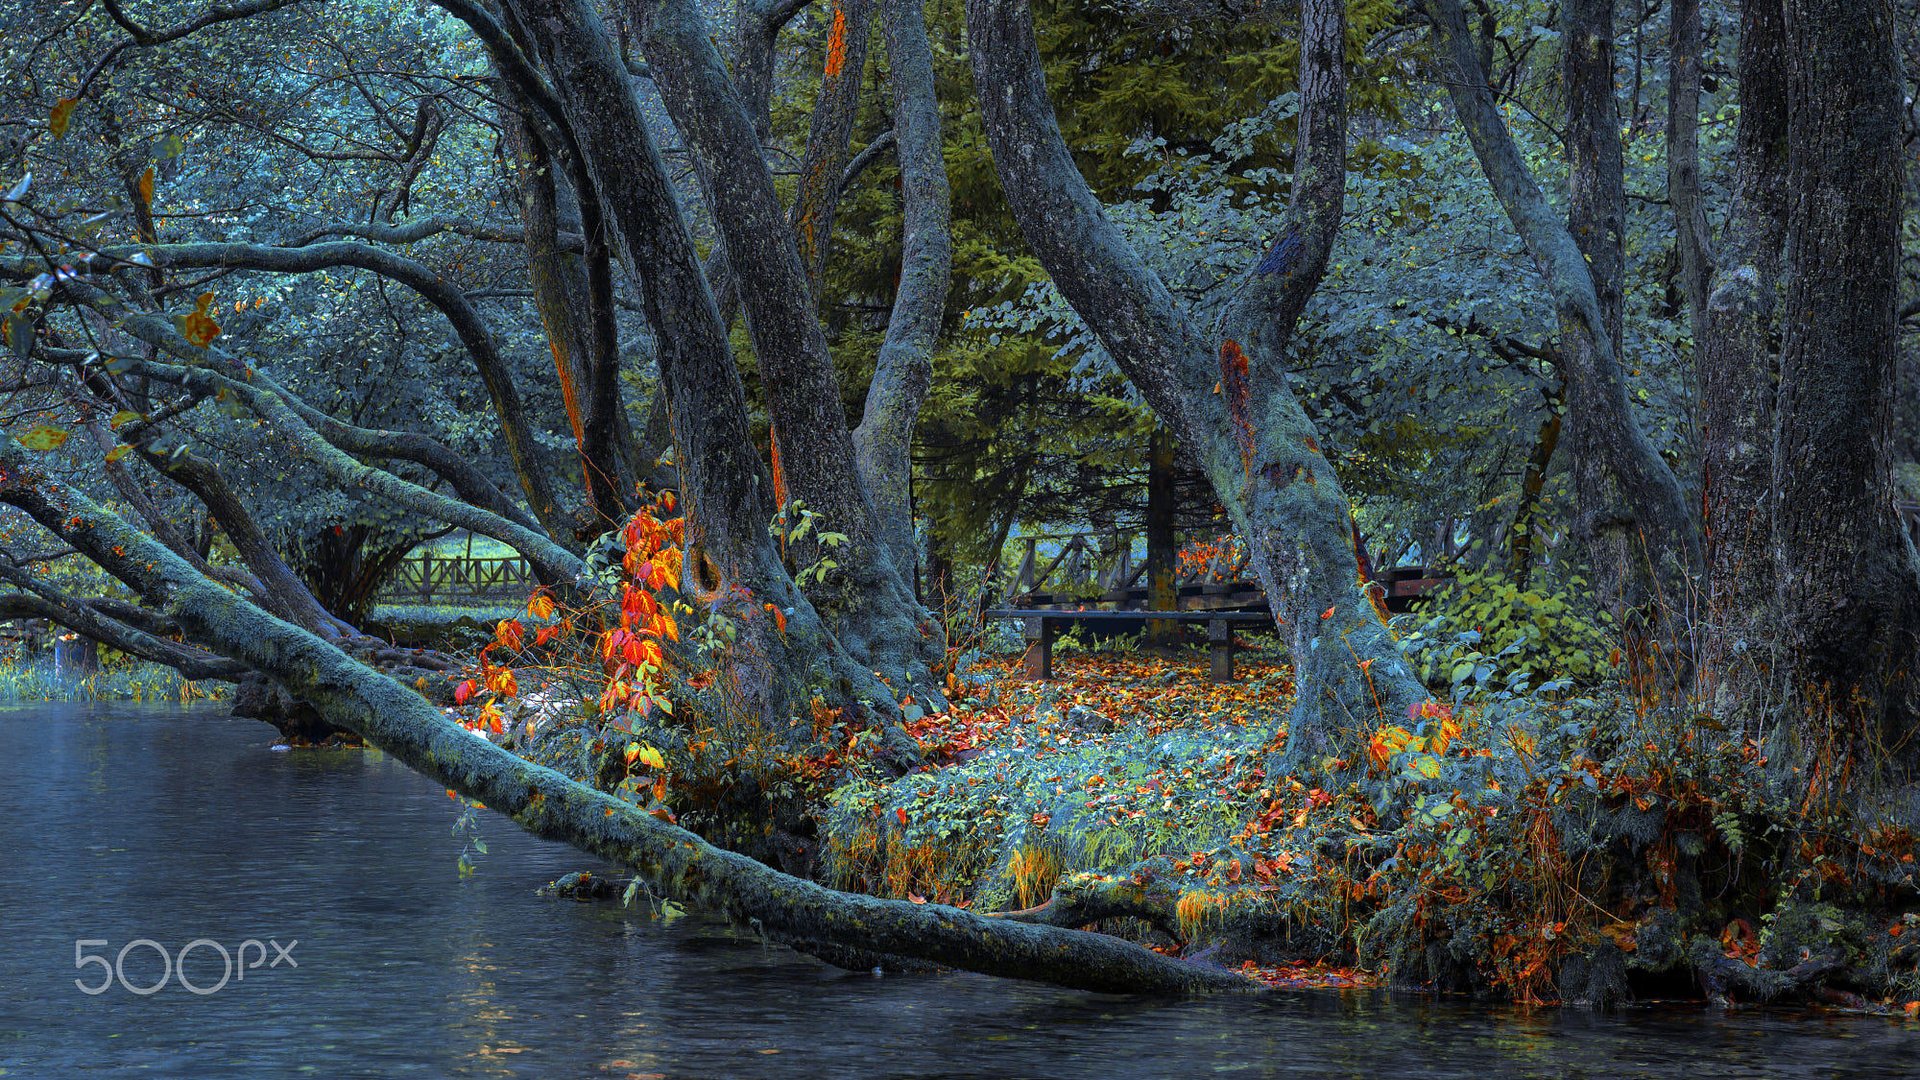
172, 826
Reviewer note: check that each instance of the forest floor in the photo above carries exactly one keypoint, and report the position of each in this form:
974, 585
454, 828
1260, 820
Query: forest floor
1575, 843
1549, 847
1124, 756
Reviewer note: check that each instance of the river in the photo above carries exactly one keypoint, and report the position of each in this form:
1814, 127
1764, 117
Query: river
181, 829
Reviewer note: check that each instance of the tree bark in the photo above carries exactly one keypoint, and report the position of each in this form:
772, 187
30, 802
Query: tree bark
1596, 179
786, 654
1849, 595
1738, 379
580, 333
1690, 233
849, 25
903, 372
1162, 540
1633, 525
866, 601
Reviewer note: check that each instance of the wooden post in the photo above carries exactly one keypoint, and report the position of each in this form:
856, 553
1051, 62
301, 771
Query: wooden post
1220, 649
426, 576
1023, 574
1039, 657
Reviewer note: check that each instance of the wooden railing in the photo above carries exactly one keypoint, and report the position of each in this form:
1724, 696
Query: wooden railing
1090, 564
425, 578
1082, 570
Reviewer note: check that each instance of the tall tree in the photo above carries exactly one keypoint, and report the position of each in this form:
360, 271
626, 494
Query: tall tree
1849, 595
1632, 524
1737, 378
1225, 389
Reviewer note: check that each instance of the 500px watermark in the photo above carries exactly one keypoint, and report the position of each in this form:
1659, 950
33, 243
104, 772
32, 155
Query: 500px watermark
173, 965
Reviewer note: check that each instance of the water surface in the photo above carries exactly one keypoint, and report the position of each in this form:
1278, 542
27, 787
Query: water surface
174, 825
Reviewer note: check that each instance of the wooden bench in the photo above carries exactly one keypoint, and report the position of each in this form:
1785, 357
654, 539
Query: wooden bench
1038, 626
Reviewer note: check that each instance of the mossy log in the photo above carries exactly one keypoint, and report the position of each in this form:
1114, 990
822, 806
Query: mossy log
671, 860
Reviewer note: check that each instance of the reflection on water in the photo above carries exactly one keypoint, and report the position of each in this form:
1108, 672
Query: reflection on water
172, 826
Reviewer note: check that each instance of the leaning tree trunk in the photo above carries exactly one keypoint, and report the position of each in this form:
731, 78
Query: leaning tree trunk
1849, 596
1251, 437
1738, 373
1633, 526
849, 25
580, 332
848, 929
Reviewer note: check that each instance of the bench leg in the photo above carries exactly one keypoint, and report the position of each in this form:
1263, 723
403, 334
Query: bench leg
1039, 657
1220, 650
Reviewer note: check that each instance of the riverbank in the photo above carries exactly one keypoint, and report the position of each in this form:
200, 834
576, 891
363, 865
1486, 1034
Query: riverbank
35, 679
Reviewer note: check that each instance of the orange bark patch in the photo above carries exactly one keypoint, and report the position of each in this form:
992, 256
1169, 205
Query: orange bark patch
1236, 386
779, 474
837, 43
569, 389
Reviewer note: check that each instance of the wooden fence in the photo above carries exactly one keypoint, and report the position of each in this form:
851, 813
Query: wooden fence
1078, 570
426, 578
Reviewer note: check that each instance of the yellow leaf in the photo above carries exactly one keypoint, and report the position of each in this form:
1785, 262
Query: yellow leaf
124, 416
119, 452
44, 437
144, 187
62, 114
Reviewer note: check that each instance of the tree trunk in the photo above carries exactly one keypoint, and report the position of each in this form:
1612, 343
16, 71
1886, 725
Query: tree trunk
1683, 163
1848, 590
786, 655
1738, 377
1163, 545
1251, 437
1633, 526
850, 24
1596, 181
866, 601
582, 339
903, 372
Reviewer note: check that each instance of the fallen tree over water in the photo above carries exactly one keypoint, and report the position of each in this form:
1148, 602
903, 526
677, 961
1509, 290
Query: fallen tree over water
844, 928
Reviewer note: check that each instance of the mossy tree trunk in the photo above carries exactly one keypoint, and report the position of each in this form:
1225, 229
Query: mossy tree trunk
866, 601
1738, 371
1250, 435
786, 654
849, 929
1634, 528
